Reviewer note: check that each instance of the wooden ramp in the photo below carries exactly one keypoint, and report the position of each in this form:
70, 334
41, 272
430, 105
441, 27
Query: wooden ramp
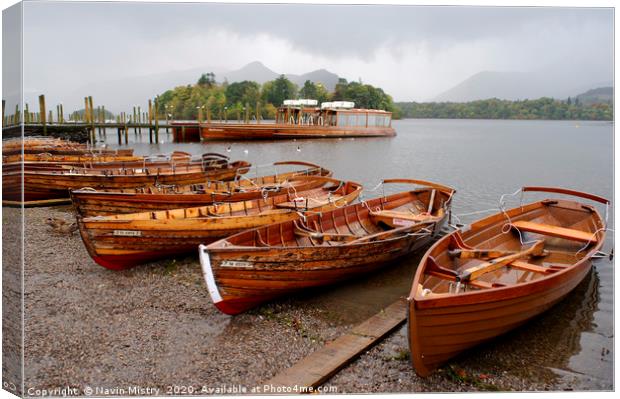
319, 366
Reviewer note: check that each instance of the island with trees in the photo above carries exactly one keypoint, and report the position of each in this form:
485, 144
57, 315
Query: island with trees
234, 101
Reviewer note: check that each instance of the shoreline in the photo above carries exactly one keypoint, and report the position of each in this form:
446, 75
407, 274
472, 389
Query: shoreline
155, 326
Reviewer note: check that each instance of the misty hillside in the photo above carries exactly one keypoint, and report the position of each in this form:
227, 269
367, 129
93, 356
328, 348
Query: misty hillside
254, 71
598, 95
514, 86
137, 90
323, 76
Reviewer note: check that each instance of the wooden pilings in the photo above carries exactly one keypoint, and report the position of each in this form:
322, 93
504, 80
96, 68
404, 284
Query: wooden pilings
42, 112
150, 121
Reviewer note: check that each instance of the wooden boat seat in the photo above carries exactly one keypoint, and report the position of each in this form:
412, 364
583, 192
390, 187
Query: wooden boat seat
520, 265
400, 218
555, 231
315, 235
307, 203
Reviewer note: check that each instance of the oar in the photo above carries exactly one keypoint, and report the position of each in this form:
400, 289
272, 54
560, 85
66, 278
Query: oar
474, 272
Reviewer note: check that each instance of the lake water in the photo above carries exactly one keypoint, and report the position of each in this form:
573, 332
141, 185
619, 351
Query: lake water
482, 159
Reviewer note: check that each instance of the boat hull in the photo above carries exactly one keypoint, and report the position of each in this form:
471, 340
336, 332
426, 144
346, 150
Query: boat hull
267, 275
122, 241
447, 329
256, 266
93, 203
443, 323
272, 131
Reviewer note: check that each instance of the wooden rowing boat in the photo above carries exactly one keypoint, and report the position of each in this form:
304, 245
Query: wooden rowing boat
153, 198
37, 145
40, 185
258, 265
475, 284
122, 241
46, 161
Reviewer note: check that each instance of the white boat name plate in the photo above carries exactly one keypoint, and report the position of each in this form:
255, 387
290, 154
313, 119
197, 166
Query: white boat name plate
127, 233
236, 263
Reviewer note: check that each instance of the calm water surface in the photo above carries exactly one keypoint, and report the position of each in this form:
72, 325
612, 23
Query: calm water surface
482, 160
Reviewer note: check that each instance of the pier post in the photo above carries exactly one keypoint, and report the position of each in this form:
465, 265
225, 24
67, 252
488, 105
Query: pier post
62, 113
167, 122
257, 112
135, 125
155, 113
246, 117
92, 118
50, 118
150, 121
85, 120
139, 120
3, 110
126, 129
42, 113
26, 113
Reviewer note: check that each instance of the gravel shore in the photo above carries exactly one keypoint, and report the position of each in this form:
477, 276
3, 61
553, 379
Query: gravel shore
154, 326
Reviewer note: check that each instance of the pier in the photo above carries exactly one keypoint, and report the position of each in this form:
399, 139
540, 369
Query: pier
84, 126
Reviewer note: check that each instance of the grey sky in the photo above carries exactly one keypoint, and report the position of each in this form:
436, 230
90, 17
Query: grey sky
413, 52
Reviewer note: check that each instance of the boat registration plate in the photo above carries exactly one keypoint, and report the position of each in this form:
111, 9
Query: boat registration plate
236, 263
127, 233
403, 222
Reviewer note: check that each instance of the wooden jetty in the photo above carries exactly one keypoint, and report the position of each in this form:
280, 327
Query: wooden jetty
321, 365
86, 126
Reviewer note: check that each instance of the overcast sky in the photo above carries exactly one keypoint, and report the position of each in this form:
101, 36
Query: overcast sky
413, 52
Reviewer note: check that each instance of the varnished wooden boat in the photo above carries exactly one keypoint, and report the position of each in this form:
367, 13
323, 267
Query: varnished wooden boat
46, 161
153, 198
258, 265
37, 145
40, 185
122, 241
475, 284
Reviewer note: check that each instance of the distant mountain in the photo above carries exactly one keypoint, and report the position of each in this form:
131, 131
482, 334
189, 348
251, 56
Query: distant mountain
514, 86
323, 76
254, 71
598, 95
258, 72
137, 90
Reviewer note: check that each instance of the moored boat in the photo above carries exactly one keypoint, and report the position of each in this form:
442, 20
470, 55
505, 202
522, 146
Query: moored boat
122, 241
43, 184
152, 198
304, 119
255, 266
476, 284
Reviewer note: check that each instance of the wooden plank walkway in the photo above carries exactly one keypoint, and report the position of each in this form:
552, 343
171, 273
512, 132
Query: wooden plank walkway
321, 365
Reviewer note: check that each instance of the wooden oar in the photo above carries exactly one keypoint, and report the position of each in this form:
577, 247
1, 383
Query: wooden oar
474, 272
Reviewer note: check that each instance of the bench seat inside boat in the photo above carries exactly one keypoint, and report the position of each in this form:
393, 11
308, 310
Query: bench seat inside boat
555, 231
392, 218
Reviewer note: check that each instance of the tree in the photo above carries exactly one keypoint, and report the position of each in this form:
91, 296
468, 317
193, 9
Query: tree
207, 79
242, 92
314, 91
276, 91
